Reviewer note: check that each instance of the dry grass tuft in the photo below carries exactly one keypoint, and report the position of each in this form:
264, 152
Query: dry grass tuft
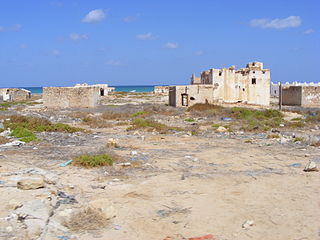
87, 219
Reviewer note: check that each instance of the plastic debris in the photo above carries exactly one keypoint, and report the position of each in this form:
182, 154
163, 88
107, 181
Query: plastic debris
14, 143
65, 163
226, 119
117, 227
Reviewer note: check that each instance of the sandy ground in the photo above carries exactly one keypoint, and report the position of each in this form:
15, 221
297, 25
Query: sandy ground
188, 185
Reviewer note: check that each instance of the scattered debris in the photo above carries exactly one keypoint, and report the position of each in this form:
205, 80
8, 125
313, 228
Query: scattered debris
65, 163
311, 167
15, 143
295, 165
112, 143
247, 224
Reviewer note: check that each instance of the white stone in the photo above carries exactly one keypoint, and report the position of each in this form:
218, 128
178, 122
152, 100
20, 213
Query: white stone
30, 183
247, 224
134, 153
221, 129
105, 206
311, 167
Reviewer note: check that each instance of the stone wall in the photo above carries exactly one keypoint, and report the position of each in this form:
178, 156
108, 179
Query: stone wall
292, 95
310, 96
161, 90
186, 96
71, 97
14, 94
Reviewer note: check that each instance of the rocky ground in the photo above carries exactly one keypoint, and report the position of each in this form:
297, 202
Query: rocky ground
231, 184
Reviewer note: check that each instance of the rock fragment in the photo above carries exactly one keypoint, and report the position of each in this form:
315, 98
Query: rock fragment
30, 183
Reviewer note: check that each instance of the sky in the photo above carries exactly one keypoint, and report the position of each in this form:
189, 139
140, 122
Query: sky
140, 42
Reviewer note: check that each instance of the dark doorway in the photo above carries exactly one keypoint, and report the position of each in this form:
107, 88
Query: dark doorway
184, 97
101, 92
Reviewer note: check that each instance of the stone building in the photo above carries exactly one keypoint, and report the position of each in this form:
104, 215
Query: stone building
14, 94
79, 96
303, 95
250, 85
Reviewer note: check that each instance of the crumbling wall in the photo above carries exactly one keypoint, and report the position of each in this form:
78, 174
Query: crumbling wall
186, 96
71, 97
14, 94
161, 90
292, 95
310, 96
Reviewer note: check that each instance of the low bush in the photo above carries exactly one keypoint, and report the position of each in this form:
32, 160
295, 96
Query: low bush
140, 123
25, 127
141, 114
86, 219
93, 160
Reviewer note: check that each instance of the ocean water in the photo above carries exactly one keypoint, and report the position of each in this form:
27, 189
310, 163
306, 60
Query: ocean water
117, 89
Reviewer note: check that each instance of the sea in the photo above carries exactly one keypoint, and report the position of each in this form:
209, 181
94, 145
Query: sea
148, 88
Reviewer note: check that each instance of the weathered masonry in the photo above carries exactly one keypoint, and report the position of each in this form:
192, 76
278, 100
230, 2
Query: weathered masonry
71, 97
306, 96
250, 85
161, 90
14, 94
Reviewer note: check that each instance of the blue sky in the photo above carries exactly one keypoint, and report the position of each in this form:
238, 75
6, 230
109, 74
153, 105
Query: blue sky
63, 42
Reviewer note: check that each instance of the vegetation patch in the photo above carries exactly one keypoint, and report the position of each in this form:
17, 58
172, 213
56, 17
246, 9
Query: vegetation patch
25, 127
257, 120
90, 161
190, 120
149, 125
298, 139
270, 136
314, 118
85, 220
141, 114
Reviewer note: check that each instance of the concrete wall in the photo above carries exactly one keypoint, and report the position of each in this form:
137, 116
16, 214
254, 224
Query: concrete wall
186, 96
292, 95
14, 94
310, 96
71, 97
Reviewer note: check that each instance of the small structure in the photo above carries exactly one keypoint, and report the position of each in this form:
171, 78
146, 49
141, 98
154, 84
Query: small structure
104, 90
14, 94
184, 96
79, 96
250, 85
161, 90
303, 95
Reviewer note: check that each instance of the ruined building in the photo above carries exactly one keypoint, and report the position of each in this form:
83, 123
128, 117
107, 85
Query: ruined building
250, 85
14, 94
79, 96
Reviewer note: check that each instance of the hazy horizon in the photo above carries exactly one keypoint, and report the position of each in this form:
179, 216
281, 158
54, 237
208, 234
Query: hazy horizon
140, 43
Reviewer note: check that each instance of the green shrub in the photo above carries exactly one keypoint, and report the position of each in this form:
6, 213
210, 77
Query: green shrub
142, 113
93, 160
189, 120
23, 134
140, 123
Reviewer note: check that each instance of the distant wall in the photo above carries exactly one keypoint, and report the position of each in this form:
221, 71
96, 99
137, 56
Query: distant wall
291, 95
161, 90
71, 97
310, 96
14, 94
